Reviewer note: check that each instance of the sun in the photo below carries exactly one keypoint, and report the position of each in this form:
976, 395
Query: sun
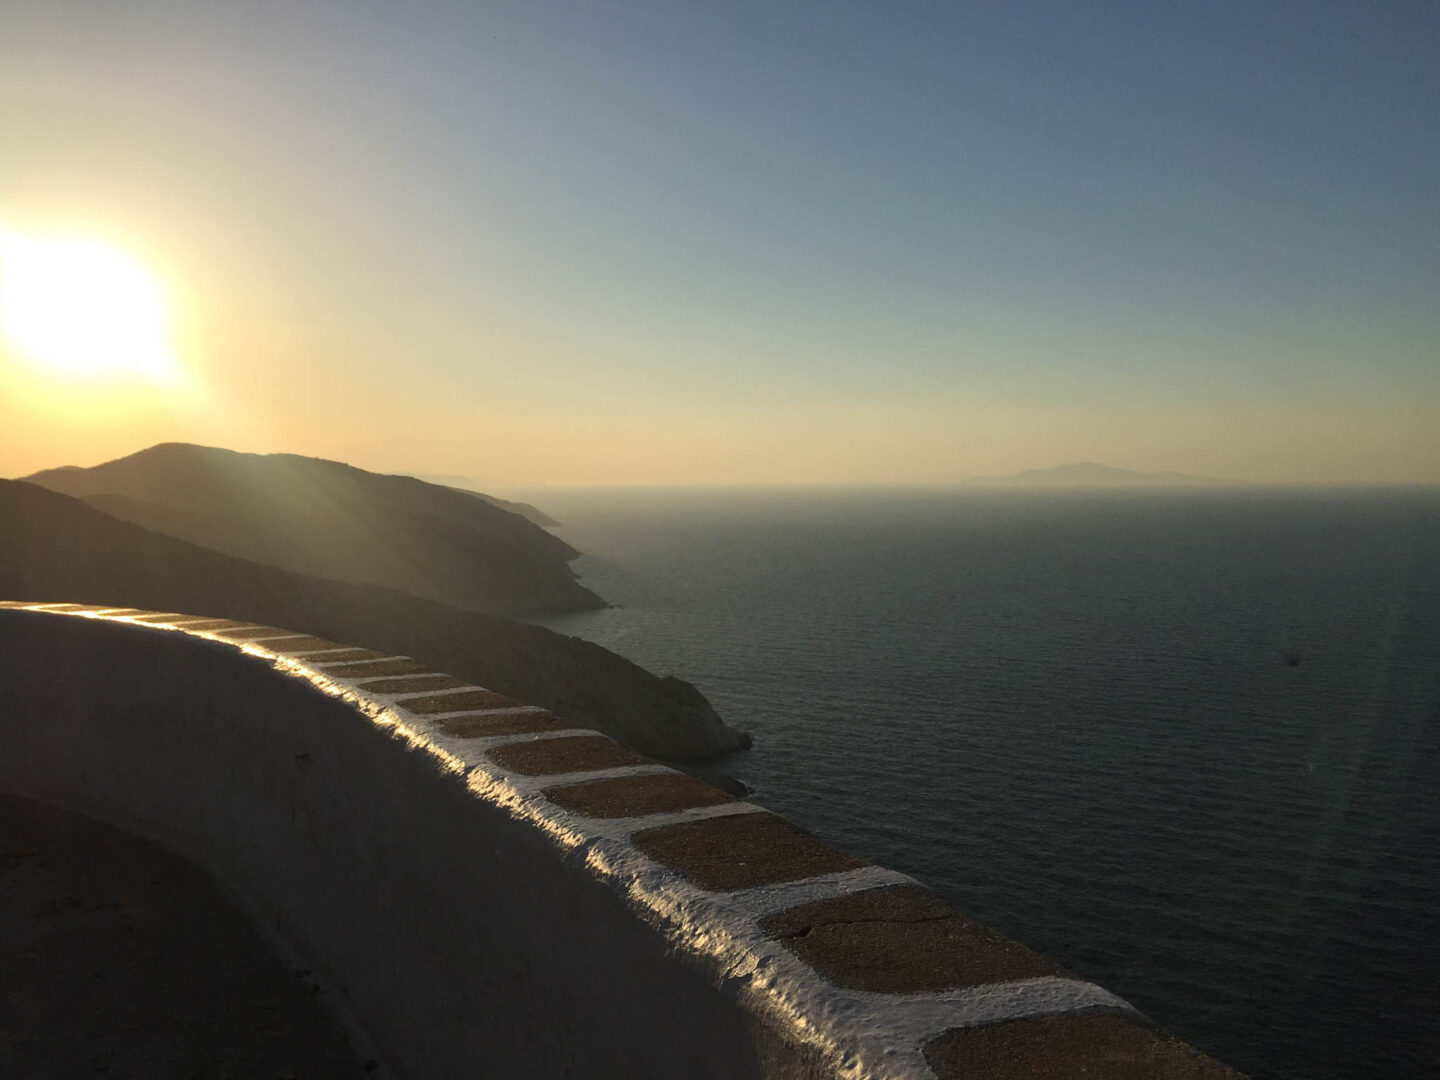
83, 308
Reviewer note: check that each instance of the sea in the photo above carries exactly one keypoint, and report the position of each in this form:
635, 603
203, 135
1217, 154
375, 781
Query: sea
1187, 743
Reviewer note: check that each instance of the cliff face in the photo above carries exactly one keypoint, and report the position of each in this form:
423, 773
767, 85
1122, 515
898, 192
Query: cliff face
57, 548
331, 520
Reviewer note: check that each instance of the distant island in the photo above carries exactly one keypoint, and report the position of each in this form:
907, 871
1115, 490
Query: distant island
1089, 474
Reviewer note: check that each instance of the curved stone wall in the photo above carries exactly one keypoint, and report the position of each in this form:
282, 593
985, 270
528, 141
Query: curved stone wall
491, 892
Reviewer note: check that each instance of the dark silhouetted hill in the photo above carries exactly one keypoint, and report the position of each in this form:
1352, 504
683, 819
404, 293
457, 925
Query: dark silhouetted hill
332, 520
55, 548
1088, 474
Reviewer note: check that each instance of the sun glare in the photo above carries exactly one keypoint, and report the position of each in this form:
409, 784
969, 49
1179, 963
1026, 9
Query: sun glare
83, 308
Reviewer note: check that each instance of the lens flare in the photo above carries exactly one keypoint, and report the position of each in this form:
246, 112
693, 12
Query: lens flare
83, 308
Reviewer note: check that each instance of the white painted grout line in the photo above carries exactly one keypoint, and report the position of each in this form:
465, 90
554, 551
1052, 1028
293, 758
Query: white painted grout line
503, 710
766, 900
534, 785
933, 1013
477, 746
218, 634
412, 695
178, 622
627, 827
371, 681
490, 742
346, 648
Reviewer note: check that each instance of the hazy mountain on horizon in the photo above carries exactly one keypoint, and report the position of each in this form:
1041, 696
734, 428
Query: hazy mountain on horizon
57, 548
332, 520
468, 484
1092, 474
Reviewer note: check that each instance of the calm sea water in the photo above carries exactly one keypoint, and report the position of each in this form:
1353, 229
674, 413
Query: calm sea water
1187, 744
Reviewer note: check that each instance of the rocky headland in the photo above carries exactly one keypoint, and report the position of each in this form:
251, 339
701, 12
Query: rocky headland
332, 520
54, 547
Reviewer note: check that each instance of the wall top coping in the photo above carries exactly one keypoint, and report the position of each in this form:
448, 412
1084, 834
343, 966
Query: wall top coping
861, 964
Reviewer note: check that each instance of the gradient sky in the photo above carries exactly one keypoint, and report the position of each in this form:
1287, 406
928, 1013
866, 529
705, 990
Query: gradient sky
746, 243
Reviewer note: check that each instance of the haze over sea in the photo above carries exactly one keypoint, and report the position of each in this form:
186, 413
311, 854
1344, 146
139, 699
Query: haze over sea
1186, 743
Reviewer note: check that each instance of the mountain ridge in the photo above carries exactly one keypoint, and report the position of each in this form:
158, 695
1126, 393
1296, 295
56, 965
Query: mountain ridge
326, 518
54, 547
456, 482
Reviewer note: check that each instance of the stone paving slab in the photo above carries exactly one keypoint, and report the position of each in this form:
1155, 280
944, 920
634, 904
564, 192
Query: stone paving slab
631, 796
420, 684
443, 703
1065, 1047
376, 669
490, 725
742, 852
331, 653
901, 940
549, 757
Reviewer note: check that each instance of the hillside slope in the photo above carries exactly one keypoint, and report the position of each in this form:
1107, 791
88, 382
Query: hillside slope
332, 520
55, 548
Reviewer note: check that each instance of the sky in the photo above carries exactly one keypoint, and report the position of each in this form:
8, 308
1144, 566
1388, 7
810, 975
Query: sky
781, 242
